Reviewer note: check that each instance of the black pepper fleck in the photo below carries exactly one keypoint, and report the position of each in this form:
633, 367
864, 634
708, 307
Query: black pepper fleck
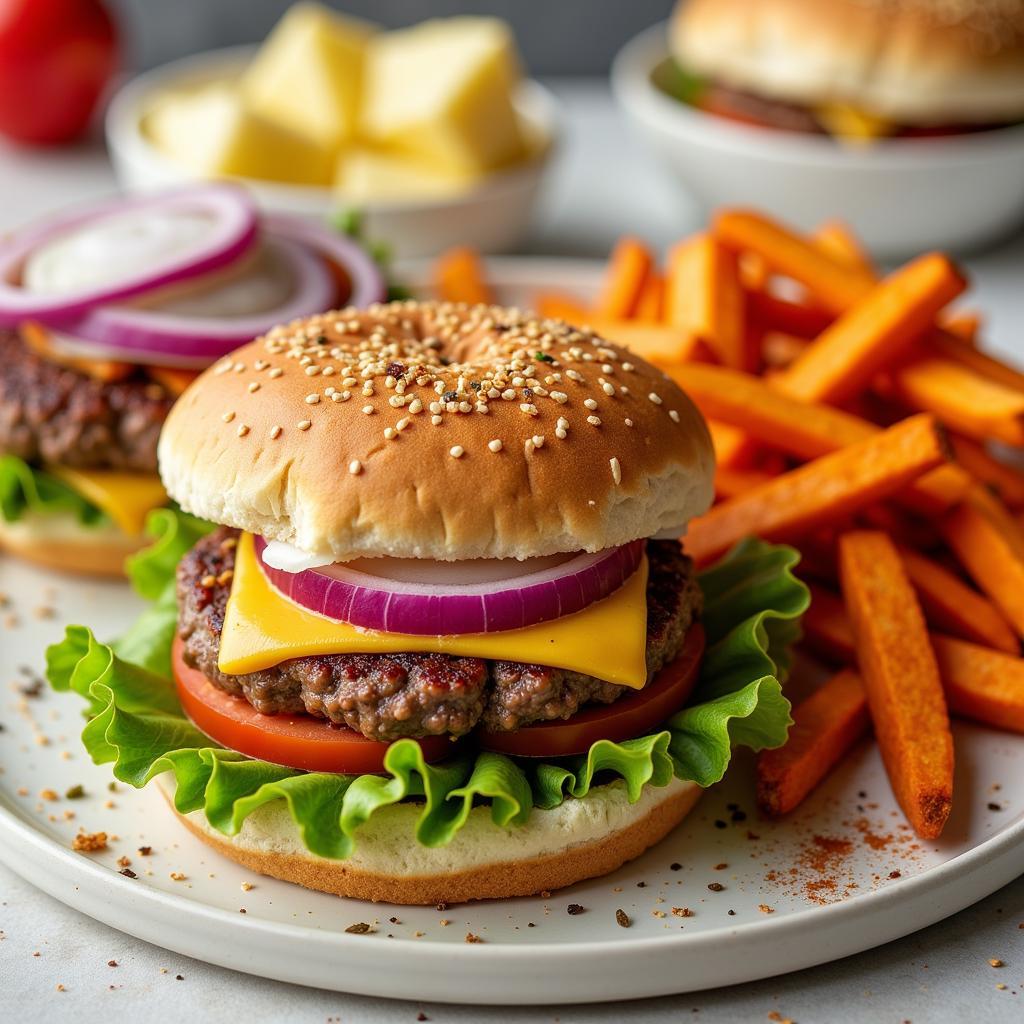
995, 807
721, 824
359, 928
574, 909
675, 866
128, 873
622, 919
715, 886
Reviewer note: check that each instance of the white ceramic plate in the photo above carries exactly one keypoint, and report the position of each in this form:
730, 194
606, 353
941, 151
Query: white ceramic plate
843, 875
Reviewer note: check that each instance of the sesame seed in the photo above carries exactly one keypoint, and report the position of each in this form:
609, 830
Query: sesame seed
607, 368
457, 451
390, 433
437, 420
495, 445
396, 401
254, 386
355, 467
228, 417
276, 372
654, 398
508, 394
608, 389
368, 409
628, 367
529, 408
243, 429
436, 407
403, 423
304, 424
275, 433
674, 415
560, 396
590, 403
616, 469
528, 446
312, 371
629, 422
538, 440
560, 433
563, 423
312, 399
594, 421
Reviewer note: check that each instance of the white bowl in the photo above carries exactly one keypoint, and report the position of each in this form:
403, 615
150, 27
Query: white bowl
901, 195
492, 216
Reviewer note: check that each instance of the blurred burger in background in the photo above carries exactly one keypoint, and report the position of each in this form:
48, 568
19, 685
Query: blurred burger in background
853, 69
107, 313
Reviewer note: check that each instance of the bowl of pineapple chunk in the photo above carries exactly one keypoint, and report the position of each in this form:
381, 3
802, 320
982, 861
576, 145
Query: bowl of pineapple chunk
430, 133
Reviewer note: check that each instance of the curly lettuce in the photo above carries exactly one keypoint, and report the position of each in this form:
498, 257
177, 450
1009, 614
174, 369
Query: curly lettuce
25, 490
752, 608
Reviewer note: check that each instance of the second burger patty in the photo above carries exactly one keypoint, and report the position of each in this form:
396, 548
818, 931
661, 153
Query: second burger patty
388, 696
49, 413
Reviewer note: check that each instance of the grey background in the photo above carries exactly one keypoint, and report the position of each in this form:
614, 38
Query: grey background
564, 37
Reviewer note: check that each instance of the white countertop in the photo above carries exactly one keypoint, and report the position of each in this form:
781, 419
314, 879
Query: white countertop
603, 185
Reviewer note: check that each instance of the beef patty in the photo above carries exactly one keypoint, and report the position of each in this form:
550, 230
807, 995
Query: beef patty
49, 413
387, 696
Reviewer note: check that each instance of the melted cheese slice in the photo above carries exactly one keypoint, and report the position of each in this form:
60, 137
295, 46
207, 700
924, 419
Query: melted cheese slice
262, 628
127, 498
852, 125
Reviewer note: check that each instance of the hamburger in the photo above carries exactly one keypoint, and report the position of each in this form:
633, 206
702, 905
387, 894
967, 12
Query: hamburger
853, 69
106, 314
444, 608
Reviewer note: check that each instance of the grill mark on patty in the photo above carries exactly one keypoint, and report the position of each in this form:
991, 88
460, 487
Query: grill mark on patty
388, 696
50, 413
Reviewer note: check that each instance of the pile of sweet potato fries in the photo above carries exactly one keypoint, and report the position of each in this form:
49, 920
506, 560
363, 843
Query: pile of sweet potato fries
854, 416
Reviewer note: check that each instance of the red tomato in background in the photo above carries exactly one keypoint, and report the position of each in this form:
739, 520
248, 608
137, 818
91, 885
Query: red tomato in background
56, 57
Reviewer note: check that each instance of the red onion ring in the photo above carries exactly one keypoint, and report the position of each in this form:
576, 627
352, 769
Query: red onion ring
233, 229
154, 337
366, 279
373, 602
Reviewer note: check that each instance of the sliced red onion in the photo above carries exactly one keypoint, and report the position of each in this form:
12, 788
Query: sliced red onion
366, 280
155, 335
369, 601
225, 226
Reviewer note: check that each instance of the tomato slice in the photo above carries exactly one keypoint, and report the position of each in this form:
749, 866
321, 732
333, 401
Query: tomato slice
628, 717
295, 741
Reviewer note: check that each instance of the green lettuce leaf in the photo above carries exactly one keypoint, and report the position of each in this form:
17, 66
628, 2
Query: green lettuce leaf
752, 607
24, 489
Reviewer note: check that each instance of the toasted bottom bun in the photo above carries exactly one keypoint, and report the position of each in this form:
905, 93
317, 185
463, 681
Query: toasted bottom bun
60, 542
583, 838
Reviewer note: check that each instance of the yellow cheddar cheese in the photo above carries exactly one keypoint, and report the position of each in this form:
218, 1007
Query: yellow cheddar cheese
212, 133
127, 498
851, 124
262, 628
307, 75
442, 92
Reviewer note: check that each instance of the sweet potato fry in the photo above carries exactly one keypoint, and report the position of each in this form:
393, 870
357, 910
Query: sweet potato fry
733, 448
901, 676
989, 544
657, 343
730, 482
628, 268
825, 726
829, 280
980, 683
1007, 482
754, 272
703, 297
558, 306
874, 332
949, 346
801, 429
819, 492
459, 277
950, 606
779, 350
835, 238
650, 307
826, 627
964, 325
969, 403
772, 312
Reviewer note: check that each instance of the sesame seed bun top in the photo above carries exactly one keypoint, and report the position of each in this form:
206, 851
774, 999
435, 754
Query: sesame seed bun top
427, 430
914, 62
